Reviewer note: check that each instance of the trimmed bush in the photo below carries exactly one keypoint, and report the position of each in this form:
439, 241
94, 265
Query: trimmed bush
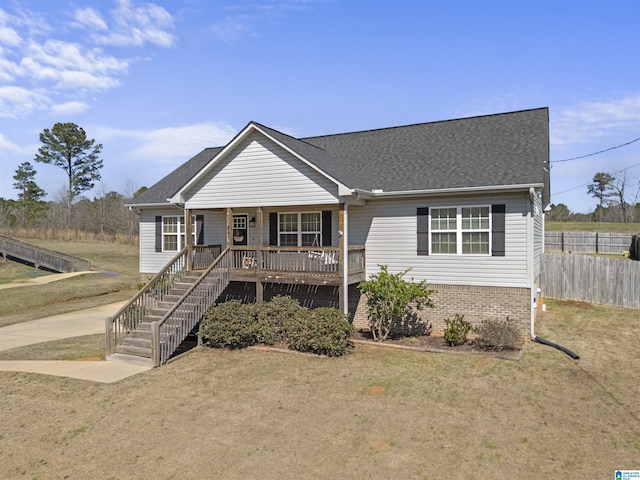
456, 330
497, 334
231, 324
272, 317
391, 299
323, 331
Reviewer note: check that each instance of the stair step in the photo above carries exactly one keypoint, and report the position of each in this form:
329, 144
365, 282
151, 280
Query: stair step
172, 298
140, 333
130, 359
137, 342
133, 350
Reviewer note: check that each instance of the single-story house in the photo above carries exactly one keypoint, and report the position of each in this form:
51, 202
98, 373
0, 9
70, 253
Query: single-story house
459, 202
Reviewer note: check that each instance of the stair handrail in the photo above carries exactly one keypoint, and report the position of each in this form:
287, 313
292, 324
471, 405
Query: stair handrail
131, 314
160, 355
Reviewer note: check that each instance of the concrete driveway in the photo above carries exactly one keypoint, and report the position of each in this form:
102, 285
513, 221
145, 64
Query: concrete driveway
83, 322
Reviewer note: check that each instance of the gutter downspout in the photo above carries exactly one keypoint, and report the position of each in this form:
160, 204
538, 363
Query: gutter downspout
535, 290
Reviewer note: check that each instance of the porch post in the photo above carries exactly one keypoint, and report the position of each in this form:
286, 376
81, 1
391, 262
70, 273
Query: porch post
229, 227
188, 233
259, 240
343, 265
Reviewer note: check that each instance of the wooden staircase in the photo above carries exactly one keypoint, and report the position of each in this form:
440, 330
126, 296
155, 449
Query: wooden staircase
151, 327
136, 346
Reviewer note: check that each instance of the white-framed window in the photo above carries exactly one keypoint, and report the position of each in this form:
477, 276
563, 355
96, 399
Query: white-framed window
173, 233
460, 230
299, 229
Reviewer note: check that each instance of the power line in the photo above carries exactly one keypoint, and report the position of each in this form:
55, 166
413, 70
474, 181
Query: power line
588, 183
595, 153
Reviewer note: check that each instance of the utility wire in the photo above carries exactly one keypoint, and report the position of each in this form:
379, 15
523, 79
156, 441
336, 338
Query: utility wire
595, 153
588, 183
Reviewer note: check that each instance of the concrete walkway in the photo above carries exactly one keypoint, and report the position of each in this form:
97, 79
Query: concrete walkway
44, 279
83, 322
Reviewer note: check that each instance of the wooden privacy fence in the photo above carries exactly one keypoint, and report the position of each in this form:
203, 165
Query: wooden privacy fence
42, 257
587, 242
584, 278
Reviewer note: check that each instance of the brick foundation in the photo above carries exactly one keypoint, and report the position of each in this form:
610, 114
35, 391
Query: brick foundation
474, 302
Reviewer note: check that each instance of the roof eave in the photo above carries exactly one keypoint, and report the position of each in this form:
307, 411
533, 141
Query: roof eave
453, 191
151, 205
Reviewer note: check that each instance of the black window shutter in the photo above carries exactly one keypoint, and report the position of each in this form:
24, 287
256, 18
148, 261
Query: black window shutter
498, 230
158, 233
273, 228
423, 230
199, 229
326, 228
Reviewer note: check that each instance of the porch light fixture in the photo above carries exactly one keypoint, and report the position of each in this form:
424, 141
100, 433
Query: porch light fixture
252, 222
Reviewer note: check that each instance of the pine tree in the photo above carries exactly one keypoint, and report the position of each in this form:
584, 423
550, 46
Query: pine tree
30, 204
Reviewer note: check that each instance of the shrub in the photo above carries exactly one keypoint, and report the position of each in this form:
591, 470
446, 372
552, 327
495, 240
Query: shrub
456, 330
497, 334
324, 331
272, 316
389, 299
231, 324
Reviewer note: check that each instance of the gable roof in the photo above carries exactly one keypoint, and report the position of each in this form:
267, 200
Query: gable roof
171, 183
500, 150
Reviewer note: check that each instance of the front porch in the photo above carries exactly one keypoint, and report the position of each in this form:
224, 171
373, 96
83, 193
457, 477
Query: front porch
276, 245
305, 265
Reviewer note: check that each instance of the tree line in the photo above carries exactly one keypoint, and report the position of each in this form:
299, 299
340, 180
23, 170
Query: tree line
67, 147
618, 201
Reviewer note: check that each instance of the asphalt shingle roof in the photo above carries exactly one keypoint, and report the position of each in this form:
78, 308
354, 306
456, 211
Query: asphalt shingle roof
493, 150
174, 181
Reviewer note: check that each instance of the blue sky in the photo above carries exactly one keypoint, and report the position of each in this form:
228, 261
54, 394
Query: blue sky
155, 82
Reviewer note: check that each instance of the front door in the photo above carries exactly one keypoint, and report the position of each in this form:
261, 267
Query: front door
240, 230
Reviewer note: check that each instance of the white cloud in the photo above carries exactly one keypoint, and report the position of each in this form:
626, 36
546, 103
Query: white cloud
69, 108
38, 63
9, 36
247, 17
17, 102
90, 19
131, 25
170, 144
590, 120
230, 30
7, 145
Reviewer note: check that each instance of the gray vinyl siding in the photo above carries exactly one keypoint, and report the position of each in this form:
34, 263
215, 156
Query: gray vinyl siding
538, 235
260, 172
152, 262
388, 229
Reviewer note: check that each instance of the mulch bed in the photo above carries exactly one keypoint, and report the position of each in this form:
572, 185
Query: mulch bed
437, 344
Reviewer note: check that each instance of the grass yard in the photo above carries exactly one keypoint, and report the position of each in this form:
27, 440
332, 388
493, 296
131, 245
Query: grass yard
118, 267
600, 227
375, 414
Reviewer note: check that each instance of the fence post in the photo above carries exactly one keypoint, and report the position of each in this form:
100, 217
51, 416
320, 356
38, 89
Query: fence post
597, 244
562, 241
